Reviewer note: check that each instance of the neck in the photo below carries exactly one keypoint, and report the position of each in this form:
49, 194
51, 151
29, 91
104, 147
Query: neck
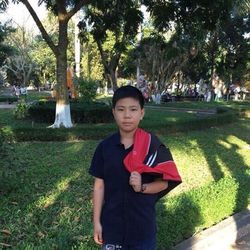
127, 135
127, 138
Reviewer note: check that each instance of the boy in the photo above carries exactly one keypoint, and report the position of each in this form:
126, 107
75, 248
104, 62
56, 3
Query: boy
132, 170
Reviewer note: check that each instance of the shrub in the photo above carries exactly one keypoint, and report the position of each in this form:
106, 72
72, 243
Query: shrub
179, 217
63, 134
21, 110
45, 112
81, 112
87, 89
8, 99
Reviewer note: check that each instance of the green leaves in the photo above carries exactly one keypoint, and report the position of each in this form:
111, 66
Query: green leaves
3, 5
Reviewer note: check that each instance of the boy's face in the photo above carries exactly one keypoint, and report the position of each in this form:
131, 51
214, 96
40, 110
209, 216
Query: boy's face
127, 114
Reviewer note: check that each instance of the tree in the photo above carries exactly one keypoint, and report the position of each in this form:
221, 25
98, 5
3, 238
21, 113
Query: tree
91, 61
20, 66
64, 10
5, 49
203, 14
114, 24
236, 46
45, 60
43, 55
194, 18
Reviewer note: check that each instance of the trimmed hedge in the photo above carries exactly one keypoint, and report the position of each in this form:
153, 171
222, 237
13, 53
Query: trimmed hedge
9, 99
99, 131
181, 216
44, 111
62, 134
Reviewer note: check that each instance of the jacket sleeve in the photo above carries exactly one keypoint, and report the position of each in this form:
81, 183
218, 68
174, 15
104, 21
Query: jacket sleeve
164, 155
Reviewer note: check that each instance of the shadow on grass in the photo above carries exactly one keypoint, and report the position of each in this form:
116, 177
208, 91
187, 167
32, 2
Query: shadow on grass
229, 190
227, 144
228, 153
49, 206
176, 210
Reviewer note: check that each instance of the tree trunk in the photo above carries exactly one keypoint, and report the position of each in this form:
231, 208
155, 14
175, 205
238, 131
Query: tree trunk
109, 67
63, 116
113, 76
213, 55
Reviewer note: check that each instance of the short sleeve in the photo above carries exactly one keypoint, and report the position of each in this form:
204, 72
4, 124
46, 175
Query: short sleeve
97, 164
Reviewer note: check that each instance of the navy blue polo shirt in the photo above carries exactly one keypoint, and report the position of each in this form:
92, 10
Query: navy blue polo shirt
127, 217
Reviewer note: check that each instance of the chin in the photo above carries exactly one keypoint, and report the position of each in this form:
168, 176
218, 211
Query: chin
128, 130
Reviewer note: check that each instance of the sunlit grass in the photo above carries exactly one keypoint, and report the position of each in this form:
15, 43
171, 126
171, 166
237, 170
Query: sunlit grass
36, 95
49, 198
224, 144
204, 157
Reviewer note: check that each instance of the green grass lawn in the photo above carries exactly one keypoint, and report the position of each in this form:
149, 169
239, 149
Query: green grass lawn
206, 105
46, 194
46, 191
34, 95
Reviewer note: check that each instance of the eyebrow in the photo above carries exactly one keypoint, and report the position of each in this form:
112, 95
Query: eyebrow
121, 106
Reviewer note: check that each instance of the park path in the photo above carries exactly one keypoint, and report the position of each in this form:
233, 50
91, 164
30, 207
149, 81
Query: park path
7, 106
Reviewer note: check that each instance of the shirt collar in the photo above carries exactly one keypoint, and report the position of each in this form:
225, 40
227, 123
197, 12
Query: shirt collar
117, 139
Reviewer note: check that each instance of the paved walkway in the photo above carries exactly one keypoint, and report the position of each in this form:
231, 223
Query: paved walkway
232, 233
7, 106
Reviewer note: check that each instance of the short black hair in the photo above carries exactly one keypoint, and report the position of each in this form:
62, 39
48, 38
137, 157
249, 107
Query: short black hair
128, 91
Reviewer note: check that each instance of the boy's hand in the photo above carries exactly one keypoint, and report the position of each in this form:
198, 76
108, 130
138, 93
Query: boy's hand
98, 233
135, 181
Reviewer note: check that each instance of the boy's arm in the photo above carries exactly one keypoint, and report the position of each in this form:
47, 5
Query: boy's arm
148, 188
98, 199
154, 187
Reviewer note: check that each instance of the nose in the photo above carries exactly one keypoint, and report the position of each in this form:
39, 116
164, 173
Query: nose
127, 114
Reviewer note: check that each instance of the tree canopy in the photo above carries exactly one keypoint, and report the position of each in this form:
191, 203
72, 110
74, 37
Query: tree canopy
182, 41
113, 25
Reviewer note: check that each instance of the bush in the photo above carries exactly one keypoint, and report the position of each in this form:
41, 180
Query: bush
6, 137
87, 89
21, 110
81, 112
39, 132
181, 216
9, 99
62, 134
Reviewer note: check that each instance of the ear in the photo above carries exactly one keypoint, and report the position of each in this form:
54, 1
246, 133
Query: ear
142, 113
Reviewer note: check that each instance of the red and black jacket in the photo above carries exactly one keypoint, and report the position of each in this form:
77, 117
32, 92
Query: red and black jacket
150, 155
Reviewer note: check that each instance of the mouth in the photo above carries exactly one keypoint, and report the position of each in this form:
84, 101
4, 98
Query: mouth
127, 123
